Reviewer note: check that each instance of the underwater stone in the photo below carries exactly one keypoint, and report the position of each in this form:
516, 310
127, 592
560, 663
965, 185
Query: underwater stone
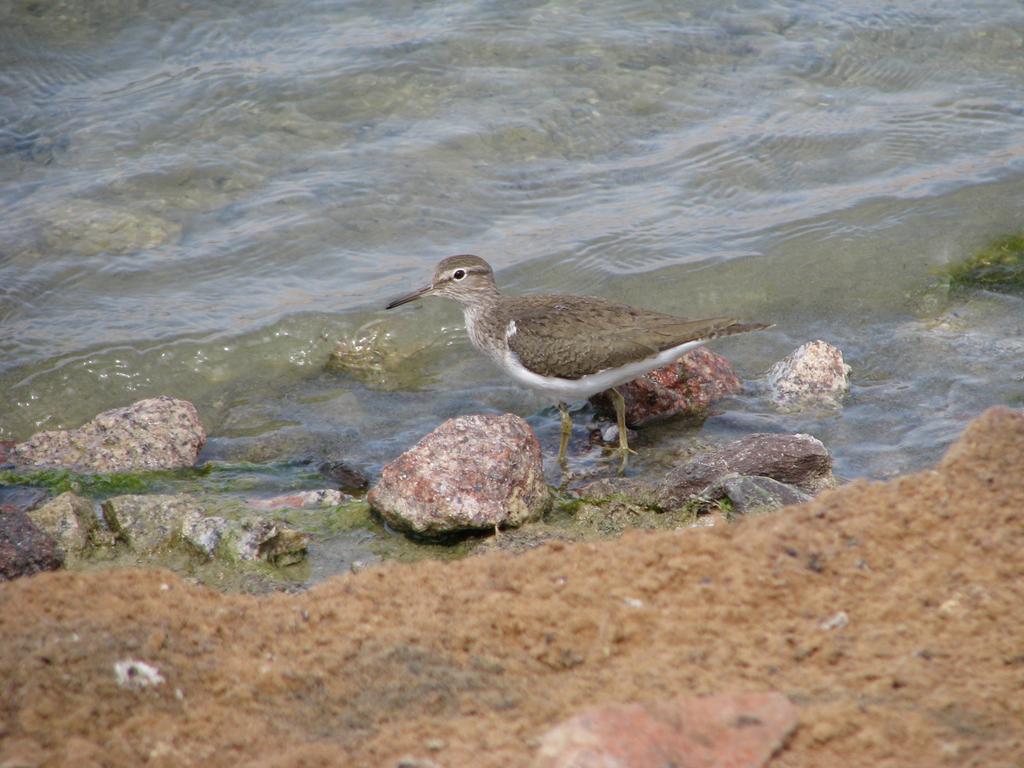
814, 373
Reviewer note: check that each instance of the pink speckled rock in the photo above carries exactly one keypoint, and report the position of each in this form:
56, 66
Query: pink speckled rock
724, 731
814, 373
158, 433
686, 387
471, 473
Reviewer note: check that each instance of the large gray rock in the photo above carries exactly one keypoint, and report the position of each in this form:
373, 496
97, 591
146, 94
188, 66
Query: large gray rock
748, 494
471, 473
70, 520
24, 549
799, 460
158, 433
814, 374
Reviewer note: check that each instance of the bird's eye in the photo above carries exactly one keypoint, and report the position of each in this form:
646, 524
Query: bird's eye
458, 274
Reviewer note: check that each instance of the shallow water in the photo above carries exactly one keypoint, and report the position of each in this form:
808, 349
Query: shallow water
201, 199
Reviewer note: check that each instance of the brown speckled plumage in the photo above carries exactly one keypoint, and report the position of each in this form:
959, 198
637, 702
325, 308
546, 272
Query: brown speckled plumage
572, 336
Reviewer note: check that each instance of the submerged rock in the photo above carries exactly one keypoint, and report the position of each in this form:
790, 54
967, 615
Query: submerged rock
347, 478
799, 460
814, 373
372, 356
88, 228
471, 473
24, 548
158, 433
70, 520
686, 387
723, 730
323, 497
999, 266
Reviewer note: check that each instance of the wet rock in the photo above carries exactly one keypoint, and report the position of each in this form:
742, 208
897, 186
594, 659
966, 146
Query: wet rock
324, 497
471, 473
607, 434
268, 540
347, 478
705, 732
799, 460
686, 387
748, 494
204, 533
999, 266
24, 549
814, 373
151, 522
70, 520
23, 497
373, 357
147, 523
88, 228
158, 433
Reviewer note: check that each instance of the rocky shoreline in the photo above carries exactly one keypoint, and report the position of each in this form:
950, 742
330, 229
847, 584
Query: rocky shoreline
472, 474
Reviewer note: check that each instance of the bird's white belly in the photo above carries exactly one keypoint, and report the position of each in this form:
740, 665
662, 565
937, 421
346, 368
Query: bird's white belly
591, 384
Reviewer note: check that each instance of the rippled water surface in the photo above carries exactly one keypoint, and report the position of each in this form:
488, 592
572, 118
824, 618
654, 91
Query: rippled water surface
201, 198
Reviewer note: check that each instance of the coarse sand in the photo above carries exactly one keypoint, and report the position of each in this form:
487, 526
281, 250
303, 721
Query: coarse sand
891, 614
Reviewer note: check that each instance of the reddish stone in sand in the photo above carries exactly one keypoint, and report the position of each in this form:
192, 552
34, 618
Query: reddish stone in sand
686, 387
723, 731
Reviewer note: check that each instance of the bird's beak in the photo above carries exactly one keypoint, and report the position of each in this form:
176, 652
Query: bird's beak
410, 297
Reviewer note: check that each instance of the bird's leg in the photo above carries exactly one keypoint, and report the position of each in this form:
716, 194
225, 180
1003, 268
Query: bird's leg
620, 417
566, 431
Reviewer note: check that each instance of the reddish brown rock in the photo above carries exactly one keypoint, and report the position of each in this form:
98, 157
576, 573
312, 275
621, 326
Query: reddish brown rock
24, 549
471, 473
6, 446
686, 387
814, 373
158, 433
799, 460
723, 731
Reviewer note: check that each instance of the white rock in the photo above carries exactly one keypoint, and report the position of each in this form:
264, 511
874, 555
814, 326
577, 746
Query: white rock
814, 373
131, 673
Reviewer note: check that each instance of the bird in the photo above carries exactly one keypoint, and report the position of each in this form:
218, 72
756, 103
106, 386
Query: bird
565, 346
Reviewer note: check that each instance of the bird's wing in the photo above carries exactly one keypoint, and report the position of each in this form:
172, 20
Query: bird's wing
573, 336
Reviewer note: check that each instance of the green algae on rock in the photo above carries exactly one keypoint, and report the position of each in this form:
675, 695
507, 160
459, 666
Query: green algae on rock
999, 266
